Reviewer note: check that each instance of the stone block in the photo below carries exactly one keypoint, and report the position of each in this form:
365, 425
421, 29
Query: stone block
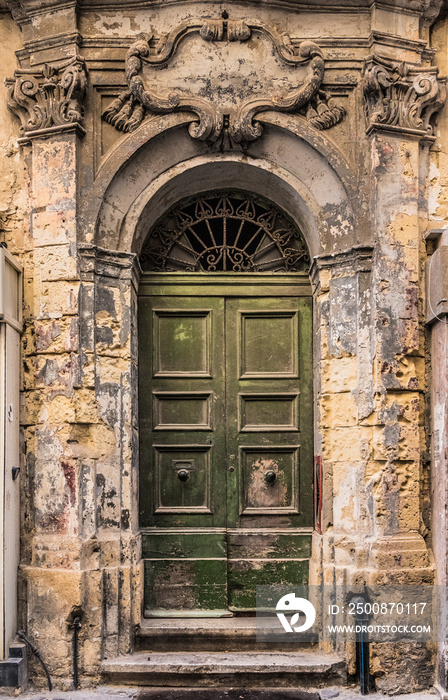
108, 497
54, 227
86, 406
49, 550
349, 444
407, 373
57, 372
93, 441
53, 299
402, 667
56, 336
51, 595
338, 410
87, 370
56, 154
406, 550
339, 374
111, 370
404, 231
46, 406
56, 262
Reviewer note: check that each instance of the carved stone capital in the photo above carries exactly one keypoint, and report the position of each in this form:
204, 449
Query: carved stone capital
401, 97
48, 99
223, 113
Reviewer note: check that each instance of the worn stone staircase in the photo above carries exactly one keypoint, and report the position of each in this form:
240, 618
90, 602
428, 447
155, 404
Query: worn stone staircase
220, 653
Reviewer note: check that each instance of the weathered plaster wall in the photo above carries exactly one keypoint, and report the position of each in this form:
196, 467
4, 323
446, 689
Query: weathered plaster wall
361, 200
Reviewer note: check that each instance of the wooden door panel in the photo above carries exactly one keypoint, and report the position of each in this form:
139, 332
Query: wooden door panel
268, 343
265, 556
182, 479
181, 410
245, 575
269, 440
269, 480
182, 453
182, 341
268, 412
185, 585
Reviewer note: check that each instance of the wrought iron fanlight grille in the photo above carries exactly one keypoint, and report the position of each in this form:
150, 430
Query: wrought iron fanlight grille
225, 232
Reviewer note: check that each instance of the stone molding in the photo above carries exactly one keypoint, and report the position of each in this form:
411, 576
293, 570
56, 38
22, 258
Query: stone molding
48, 99
350, 261
428, 9
437, 276
94, 260
307, 97
401, 97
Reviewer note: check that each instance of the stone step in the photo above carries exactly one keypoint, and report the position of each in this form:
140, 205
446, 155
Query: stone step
233, 669
202, 634
235, 694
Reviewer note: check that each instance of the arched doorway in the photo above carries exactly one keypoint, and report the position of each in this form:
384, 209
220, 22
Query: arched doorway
225, 387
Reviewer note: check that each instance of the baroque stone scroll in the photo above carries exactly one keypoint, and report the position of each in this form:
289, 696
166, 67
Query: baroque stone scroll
302, 77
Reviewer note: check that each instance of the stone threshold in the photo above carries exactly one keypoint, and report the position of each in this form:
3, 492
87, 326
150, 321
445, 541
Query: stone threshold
247, 669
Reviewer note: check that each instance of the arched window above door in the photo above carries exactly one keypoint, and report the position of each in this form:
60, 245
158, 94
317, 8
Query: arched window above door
226, 231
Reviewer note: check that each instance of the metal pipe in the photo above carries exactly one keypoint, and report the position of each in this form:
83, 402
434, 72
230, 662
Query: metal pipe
362, 644
36, 652
76, 624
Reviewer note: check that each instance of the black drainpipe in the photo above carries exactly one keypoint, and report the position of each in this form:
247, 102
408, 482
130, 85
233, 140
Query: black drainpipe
74, 623
36, 653
362, 644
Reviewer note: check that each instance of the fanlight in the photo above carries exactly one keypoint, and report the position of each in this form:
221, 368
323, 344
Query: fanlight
225, 232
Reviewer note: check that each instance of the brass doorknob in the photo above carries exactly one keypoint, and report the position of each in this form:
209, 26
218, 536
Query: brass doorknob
270, 477
183, 475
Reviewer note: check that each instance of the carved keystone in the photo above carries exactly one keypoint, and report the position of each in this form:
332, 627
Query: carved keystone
401, 97
48, 98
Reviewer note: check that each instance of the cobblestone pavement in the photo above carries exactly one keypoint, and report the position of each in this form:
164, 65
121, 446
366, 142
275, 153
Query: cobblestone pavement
109, 693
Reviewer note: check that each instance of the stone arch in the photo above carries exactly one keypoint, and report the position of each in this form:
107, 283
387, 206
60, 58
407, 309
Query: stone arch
291, 164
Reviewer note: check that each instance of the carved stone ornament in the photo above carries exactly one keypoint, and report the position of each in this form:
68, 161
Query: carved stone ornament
401, 97
48, 98
224, 102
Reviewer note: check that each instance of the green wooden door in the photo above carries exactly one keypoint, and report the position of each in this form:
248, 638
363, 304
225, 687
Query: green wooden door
225, 444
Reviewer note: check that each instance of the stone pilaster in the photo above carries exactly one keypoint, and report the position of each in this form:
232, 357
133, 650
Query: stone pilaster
401, 102
344, 398
110, 468
51, 562
48, 102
